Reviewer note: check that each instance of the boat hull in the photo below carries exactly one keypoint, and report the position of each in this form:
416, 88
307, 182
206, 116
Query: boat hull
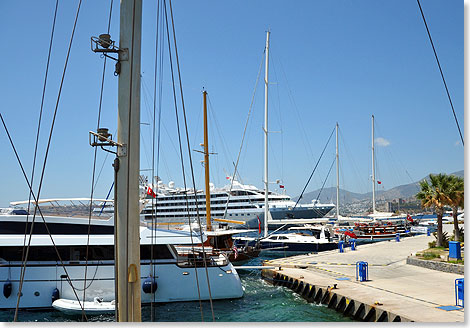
41, 279
297, 247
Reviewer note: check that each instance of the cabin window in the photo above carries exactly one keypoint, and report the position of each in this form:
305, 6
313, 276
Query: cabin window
159, 252
78, 253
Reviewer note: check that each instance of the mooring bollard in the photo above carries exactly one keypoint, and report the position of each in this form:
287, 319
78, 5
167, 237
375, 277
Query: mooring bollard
341, 246
353, 244
362, 271
397, 237
459, 291
454, 250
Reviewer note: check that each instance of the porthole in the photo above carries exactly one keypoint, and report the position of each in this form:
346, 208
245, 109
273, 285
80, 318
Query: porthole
36, 293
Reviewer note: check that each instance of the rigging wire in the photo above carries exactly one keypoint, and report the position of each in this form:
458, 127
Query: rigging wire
190, 158
280, 117
94, 163
30, 235
321, 155
157, 84
243, 137
329, 171
47, 153
181, 155
218, 129
37, 134
440, 70
353, 162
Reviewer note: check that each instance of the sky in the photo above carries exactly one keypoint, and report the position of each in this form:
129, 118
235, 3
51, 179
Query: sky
330, 61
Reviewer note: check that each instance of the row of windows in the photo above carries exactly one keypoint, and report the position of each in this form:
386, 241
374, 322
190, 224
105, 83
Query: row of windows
203, 203
193, 209
78, 253
183, 216
203, 196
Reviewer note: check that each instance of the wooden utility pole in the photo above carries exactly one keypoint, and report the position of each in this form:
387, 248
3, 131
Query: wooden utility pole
127, 222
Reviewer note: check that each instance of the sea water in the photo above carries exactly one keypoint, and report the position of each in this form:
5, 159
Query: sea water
262, 302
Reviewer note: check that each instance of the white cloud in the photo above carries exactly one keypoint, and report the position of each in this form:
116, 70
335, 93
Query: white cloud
382, 142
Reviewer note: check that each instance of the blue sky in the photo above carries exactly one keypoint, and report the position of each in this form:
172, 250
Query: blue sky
331, 61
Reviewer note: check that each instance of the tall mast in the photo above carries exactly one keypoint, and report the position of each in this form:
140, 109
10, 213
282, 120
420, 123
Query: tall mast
337, 173
266, 182
206, 165
127, 225
373, 168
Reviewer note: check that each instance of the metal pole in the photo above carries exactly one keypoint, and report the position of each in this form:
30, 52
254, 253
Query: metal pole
127, 209
337, 173
206, 165
373, 168
266, 182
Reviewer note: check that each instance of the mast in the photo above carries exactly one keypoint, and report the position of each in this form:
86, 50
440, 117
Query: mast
337, 173
127, 223
373, 168
266, 182
206, 165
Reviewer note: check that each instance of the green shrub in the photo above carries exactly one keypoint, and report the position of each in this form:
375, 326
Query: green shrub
430, 255
445, 240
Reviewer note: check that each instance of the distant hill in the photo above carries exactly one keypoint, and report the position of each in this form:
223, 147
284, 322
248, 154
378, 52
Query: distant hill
346, 197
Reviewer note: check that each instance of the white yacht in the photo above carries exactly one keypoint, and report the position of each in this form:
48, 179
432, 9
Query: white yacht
167, 276
301, 239
235, 204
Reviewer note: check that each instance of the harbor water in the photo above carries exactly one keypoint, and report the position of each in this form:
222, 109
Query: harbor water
261, 302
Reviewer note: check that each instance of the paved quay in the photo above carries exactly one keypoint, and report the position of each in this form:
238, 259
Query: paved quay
395, 290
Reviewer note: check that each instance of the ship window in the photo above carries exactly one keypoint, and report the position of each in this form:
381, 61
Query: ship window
159, 252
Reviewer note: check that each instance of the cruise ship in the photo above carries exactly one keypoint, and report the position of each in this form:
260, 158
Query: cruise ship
236, 204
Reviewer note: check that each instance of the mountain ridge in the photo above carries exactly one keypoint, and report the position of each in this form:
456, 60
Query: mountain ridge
328, 195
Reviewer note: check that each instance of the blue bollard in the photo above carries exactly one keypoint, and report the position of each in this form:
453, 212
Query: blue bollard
362, 271
353, 244
397, 237
428, 232
454, 250
459, 291
341, 246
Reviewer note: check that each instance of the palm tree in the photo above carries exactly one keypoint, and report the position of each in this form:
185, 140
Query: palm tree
436, 195
456, 200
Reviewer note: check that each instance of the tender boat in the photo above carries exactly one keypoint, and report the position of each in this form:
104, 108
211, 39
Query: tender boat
98, 306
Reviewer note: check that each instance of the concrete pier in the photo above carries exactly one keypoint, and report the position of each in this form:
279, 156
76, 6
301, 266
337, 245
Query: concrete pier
394, 291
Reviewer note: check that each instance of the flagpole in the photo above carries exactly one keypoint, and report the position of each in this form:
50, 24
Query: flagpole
373, 168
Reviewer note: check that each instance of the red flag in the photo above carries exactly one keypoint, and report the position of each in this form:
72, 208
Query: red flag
235, 251
259, 224
228, 178
151, 193
350, 234
379, 182
281, 186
